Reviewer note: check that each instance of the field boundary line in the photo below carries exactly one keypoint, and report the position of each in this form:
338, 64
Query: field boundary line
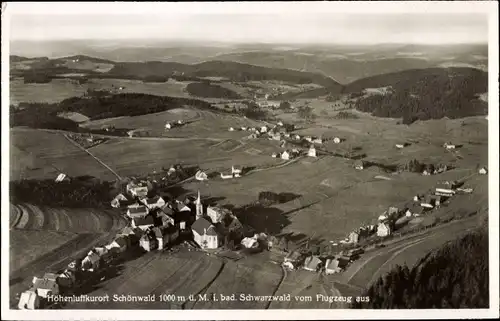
93, 156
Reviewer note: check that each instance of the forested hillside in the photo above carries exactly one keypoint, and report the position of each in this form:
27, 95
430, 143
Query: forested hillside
423, 94
207, 90
455, 276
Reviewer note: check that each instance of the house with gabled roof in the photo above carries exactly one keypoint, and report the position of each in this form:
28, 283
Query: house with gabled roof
205, 234
136, 211
312, 263
143, 222
148, 241
293, 260
154, 202
165, 235
46, 286
336, 265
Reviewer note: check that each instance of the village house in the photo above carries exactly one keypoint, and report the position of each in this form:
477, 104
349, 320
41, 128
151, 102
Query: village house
336, 140
136, 211
311, 152
166, 215
297, 137
336, 265
46, 286
280, 123
413, 209
217, 214
446, 189
236, 170
116, 201
274, 155
143, 222
312, 263
393, 212
154, 202
285, 155
231, 129
293, 260
308, 138
131, 235
168, 126
139, 191
165, 236
29, 300
119, 244
205, 234
317, 141
148, 241
91, 262
263, 129
400, 146
383, 229
353, 237
428, 202
483, 171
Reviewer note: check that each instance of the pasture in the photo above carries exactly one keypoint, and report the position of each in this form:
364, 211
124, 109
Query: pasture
44, 154
53, 92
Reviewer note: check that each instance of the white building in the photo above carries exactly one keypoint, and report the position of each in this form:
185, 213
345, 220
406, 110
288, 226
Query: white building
263, 129
483, 171
311, 152
285, 155
383, 229
204, 234
336, 140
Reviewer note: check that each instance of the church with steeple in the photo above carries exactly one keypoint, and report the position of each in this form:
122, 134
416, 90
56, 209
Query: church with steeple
199, 207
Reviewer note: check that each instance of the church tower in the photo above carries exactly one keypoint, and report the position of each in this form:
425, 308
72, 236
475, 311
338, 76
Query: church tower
199, 207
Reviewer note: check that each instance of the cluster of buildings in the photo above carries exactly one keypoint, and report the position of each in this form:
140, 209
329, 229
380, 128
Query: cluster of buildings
86, 141
171, 125
328, 264
236, 172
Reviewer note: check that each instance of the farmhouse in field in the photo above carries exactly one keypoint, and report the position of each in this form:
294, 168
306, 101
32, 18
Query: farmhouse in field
311, 152
446, 189
312, 263
383, 229
483, 171
428, 202
336, 140
400, 146
236, 170
263, 129
449, 145
205, 234
358, 165
285, 155
61, 177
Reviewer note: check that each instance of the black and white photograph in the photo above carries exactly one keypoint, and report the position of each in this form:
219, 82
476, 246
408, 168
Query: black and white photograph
257, 160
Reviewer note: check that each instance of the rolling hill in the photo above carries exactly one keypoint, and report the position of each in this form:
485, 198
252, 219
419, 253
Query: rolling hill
422, 94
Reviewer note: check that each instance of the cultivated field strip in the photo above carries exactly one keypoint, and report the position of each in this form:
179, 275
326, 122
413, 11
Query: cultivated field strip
241, 279
15, 215
69, 220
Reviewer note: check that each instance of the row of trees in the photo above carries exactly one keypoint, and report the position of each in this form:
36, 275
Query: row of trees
455, 276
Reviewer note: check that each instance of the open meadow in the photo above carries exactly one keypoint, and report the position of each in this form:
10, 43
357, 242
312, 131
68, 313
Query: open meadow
39, 154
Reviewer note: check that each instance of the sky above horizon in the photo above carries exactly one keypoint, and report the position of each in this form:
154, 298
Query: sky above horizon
419, 28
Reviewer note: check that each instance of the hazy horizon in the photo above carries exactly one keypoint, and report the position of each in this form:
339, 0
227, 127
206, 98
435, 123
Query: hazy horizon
286, 29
